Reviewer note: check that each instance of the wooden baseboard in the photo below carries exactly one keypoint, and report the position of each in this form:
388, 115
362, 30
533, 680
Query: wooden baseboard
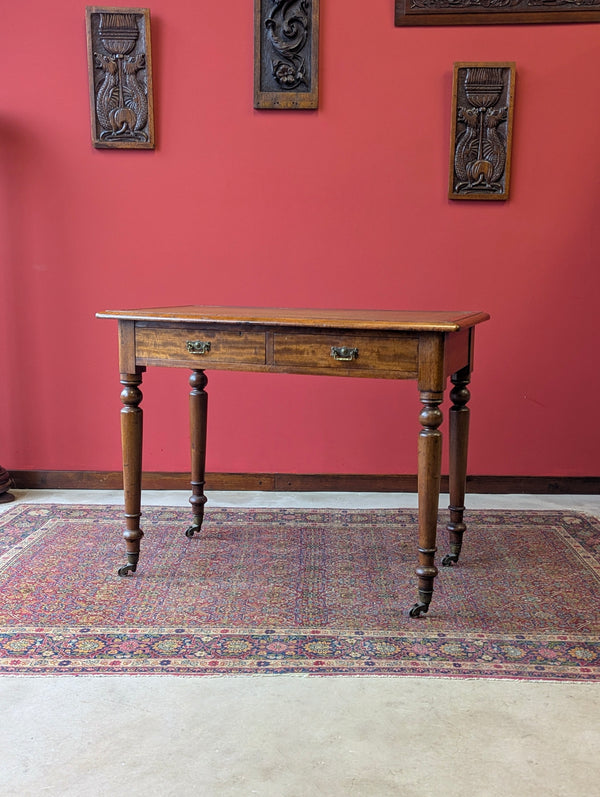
301, 482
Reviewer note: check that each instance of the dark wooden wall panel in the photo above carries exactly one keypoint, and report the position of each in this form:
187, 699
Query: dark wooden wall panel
300, 482
494, 12
481, 137
120, 77
286, 54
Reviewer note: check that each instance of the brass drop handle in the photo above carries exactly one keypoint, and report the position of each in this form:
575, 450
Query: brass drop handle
198, 346
344, 353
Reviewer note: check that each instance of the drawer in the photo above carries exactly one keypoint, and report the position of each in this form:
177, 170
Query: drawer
198, 347
347, 354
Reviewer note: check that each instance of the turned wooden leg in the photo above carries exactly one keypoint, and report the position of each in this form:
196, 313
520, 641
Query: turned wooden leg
131, 441
429, 469
459, 444
198, 415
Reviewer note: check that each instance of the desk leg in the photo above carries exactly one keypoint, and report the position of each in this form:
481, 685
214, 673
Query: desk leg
429, 469
198, 415
131, 441
459, 444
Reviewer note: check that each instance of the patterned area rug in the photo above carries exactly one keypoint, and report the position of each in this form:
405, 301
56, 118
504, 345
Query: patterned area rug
297, 591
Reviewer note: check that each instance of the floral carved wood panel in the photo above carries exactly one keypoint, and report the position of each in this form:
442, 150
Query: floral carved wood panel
481, 137
286, 54
120, 77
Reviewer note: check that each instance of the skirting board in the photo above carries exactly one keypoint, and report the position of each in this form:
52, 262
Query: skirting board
301, 482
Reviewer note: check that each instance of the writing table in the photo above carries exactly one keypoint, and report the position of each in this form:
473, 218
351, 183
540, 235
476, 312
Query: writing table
424, 346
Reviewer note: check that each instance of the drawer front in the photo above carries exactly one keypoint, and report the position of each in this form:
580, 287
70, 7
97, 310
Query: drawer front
198, 347
347, 353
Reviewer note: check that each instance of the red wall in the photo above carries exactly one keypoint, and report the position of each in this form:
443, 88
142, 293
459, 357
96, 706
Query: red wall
343, 207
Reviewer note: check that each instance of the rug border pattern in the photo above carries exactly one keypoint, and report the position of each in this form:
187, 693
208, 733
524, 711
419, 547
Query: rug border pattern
210, 650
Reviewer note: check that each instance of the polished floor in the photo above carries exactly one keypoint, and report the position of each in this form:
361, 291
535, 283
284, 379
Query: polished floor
293, 736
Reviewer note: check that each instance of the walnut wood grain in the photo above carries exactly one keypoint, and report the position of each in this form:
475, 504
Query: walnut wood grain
393, 358
392, 320
228, 347
378, 344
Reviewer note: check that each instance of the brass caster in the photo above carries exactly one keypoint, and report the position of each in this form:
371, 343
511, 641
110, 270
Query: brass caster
189, 533
122, 571
449, 559
418, 609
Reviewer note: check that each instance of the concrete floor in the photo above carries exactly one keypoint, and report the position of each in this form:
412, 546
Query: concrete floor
293, 736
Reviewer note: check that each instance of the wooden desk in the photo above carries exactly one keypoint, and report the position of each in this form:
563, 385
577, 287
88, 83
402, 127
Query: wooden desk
425, 346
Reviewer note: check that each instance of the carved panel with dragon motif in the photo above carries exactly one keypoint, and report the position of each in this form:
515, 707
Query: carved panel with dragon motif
482, 117
494, 12
120, 76
286, 54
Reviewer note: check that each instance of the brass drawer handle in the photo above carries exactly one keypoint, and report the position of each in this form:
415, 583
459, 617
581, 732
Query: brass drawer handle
198, 346
344, 353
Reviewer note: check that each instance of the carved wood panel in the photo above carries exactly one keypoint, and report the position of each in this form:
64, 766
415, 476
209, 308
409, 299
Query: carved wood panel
286, 54
481, 137
120, 77
494, 12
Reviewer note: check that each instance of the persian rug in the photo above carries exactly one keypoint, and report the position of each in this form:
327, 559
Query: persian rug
319, 592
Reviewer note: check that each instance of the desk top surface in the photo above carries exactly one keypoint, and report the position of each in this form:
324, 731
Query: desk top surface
390, 320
